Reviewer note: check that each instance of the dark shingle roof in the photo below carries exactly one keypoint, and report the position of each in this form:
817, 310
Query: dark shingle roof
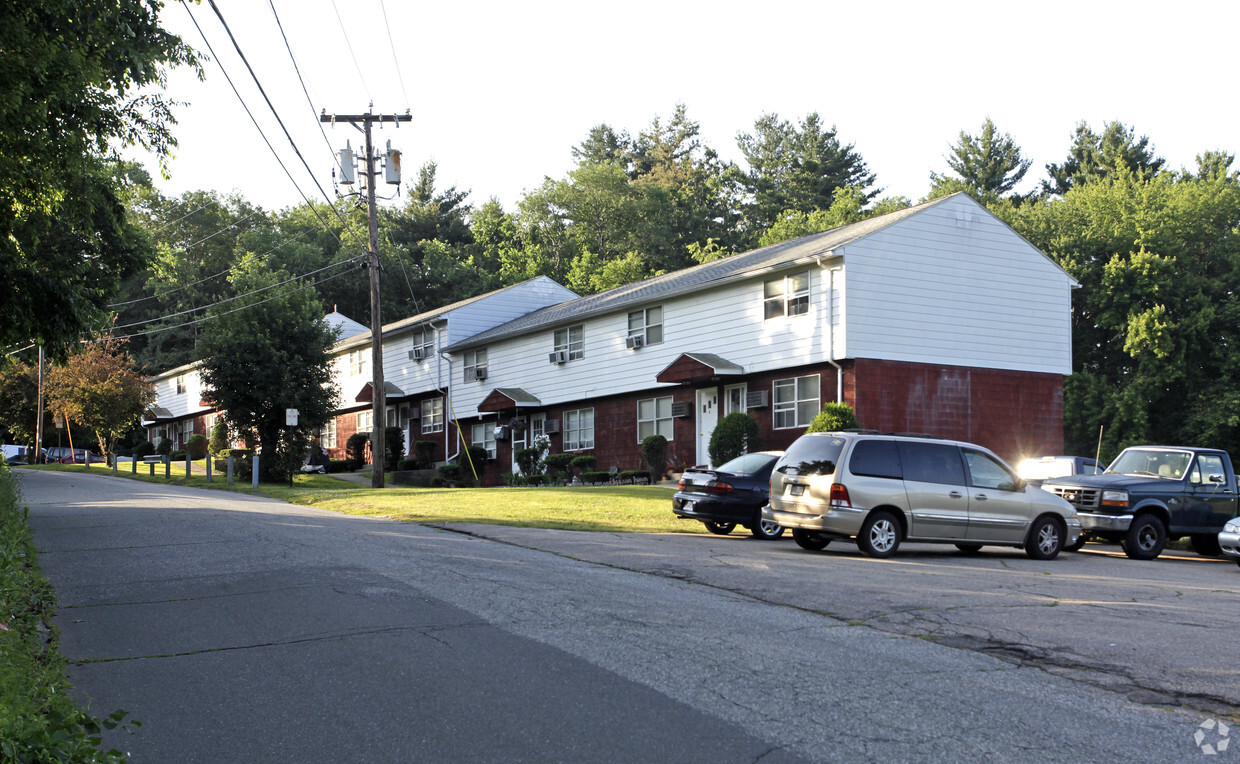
684, 281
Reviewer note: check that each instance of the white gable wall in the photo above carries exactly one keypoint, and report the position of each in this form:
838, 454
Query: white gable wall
954, 285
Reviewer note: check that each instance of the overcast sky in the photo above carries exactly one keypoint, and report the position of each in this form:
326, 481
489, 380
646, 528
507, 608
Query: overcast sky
501, 92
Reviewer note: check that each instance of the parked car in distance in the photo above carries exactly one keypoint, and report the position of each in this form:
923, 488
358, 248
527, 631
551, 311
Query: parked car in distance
885, 489
16, 454
1229, 539
58, 454
1040, 468
730, 495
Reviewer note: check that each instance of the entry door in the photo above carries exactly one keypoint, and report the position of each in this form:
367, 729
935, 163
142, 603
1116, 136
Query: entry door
707, 418
519, 441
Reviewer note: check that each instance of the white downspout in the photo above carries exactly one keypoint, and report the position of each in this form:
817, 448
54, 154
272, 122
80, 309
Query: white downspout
830, 291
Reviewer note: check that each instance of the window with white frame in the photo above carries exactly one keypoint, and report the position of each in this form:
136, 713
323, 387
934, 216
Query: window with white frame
734, 399
365, 421
571, 341
432, 415
357, 363
578, 429
189, 428
484, 437
180, 383
654, 417
327, 434
786, 295
424, 340
392, 414
796, 401
475, 362
647, 324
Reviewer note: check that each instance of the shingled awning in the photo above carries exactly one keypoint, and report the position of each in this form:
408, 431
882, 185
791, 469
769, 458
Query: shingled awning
367, 393
695, 368
502, 398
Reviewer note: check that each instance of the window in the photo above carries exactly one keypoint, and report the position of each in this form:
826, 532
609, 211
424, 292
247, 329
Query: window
357, 363
484, 437
654, 417
786, 296
432, 415
578, 429
393, 416
796, 402
734, 399
365, 421
424, 340
571, 341
180, 382
189, 428
475, 362
647, 324
875, 458
1207, 465
985, 472
931, 463
327, 434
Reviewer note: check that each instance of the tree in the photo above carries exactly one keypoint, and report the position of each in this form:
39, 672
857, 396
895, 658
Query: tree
988, 166
847, 208
797, 168
19, 391
101, 388
265, 353
736, 434
77, 81
1094, 156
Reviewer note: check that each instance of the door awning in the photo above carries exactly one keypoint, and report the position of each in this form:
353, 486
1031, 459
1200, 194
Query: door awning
367, 393
694, 368
502, 398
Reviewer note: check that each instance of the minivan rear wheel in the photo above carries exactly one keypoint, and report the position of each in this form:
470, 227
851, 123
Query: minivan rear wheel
809, 539
765, 529
880, 535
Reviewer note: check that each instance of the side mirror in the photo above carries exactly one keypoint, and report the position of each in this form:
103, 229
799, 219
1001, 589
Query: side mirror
1217, 478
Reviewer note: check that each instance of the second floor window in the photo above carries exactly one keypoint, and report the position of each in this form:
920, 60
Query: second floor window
475, 364
432, 415
571, 341
181, 385
786, 296
424, 341
647, 324
357, 363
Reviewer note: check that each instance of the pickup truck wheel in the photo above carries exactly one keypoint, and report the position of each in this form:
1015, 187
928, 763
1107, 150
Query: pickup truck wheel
719, 529
880, 535
1206, 544
810, 540
1045, 538
1145, 538
765, 529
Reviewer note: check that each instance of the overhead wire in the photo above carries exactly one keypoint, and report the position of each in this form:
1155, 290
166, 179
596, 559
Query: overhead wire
304, 89
395, 60
353, 55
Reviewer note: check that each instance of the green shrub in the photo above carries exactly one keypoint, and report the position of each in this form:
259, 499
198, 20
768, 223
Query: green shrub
584, 463
145, 448
177, 456
405, 465
527, 460
449, 473
196, 446
164, 448
355, 447
595, 478
635, 476
833, 418
339, 465
478, 455
558, 463
219, 439
654, 451
736, 434
394, 444
424, 453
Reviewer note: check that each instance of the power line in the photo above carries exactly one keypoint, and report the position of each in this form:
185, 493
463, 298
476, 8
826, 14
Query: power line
392, 46
349, 45
297, 69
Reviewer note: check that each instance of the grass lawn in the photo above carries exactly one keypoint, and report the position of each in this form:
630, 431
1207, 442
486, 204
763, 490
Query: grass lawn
630, 509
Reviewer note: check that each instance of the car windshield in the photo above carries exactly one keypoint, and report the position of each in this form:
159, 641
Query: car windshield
748, 464
812, 455
1159, 463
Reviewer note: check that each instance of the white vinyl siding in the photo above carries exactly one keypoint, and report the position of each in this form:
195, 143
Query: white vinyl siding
796, 401
654, 417
578, 429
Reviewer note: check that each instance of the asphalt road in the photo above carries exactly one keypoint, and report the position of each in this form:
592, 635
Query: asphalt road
240, 629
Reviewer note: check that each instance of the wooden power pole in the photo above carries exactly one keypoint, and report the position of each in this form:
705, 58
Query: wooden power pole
378, 406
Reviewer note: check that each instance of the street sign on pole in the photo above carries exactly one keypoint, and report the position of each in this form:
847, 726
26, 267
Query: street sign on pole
290, 417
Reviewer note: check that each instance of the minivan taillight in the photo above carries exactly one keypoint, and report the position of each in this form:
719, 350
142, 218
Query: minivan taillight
839, 497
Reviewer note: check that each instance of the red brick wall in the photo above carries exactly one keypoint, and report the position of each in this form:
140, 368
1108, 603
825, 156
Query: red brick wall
1013, 413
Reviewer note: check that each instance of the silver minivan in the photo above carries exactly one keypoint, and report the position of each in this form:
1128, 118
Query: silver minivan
885, 489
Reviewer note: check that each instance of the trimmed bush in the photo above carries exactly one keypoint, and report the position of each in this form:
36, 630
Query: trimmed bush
595, 478
584, 463
736, 434
558, 462
654, 451
424, 453
145, 448
196, 446
449, 473
177, 456
834, 417
635, 476
339, 465
164, 448
219, 439
527, 460
406, 465
355, 447
394, 444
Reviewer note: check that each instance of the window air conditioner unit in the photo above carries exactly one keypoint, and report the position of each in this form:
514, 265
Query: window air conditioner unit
559, 356
758, 399
551, 425
480, 373
418, 354
682, 410
415, 411
635, 341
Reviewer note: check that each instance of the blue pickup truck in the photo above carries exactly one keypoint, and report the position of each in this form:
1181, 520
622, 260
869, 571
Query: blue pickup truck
1151, 494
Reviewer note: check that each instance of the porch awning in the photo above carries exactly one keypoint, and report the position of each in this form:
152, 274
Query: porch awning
157, 413
367, 393
694, 368
502, 398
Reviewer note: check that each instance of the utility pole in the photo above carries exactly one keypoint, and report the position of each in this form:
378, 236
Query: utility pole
378, 406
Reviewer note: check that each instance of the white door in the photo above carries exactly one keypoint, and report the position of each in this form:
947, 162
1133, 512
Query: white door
707, 418
537, 428
520, 439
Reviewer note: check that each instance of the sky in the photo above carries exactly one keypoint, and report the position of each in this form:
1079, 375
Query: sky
500, 92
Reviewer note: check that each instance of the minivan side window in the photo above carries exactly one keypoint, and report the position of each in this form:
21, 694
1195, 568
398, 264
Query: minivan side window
811, 455
931, 463
985, 472
875, 458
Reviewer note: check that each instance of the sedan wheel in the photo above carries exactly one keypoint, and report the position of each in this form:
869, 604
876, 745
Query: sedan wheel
810, 540
765, 529
1045, 539
719, 529
969, 548
880, 535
